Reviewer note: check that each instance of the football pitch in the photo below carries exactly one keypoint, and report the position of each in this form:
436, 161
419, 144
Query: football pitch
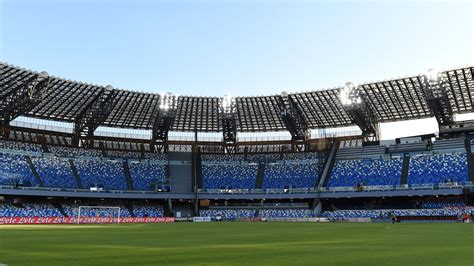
238, 244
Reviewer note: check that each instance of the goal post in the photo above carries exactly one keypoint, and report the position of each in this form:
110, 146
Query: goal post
104, 212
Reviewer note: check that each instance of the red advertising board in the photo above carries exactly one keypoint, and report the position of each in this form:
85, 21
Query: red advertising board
84, 220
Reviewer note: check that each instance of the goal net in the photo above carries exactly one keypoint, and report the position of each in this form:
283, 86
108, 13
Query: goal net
98, 214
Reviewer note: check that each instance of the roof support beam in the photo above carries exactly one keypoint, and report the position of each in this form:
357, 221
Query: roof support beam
434, 90
24, 97
292, 119
354, 103
91, 117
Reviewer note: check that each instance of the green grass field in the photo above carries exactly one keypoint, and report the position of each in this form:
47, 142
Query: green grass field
238, 244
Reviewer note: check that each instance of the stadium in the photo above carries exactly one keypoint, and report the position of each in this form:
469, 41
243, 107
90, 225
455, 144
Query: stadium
100, 175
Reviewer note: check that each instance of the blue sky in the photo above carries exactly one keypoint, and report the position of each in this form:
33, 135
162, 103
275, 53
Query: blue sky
234, 47
241, 48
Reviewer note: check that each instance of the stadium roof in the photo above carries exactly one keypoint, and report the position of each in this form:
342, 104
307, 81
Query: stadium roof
389, 100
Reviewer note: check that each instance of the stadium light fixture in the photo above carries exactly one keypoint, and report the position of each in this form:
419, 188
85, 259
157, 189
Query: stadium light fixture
166, 101
348, 95
432, 75
227, 103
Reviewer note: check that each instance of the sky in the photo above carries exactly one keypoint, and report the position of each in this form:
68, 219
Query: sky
238, 48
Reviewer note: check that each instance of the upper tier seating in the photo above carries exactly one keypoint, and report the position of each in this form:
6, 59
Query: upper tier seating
145, 174
217, 176
290, 175
367, 172
55, 172
13, 145
438, 168
14, 170
74, 152
108, 174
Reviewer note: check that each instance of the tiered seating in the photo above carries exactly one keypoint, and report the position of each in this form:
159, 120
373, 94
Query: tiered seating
13, 145
384, 214
74, 152
290, 175
285, 213
28, 210
148, 211
301, 156
14, 169
156, 156
235, 176
55, 172
367, 172
221, 158
228, 214
438, 168
144, 174
123, 154
108, 174
263, 157
442, 203
72, 210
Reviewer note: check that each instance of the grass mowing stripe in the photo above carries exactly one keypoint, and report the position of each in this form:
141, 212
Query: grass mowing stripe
239, 244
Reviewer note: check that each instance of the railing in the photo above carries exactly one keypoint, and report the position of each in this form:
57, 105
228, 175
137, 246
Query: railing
338, 189
264, 191
79, 190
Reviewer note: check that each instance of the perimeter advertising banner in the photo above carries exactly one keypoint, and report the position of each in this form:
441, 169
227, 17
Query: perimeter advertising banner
84, 220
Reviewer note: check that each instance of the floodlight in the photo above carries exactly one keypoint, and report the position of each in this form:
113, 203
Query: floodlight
433, 75
227, 103
166, 101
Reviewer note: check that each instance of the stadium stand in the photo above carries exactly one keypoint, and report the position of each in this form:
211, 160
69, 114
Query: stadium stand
14, 170
290, 175
229, 214
28, 210
285, 213
106, 174
55, 172
226, 175
438, 168
366, 172
145, 174
384, 214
